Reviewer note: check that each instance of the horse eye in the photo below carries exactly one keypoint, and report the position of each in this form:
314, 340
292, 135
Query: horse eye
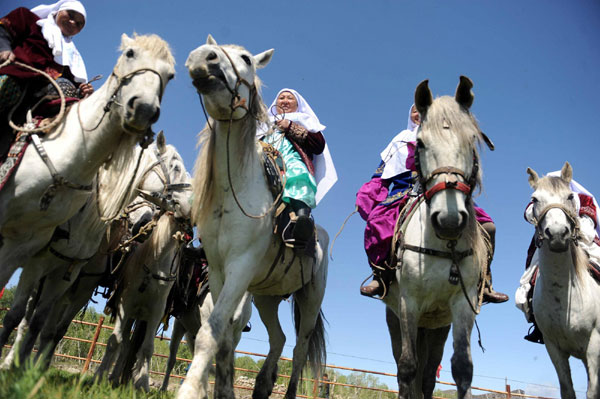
534, 200
170, 76
571, 197
246, 59
130, 53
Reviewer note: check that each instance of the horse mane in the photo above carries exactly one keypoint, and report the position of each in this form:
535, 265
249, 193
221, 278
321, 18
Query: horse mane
204, 168
462, 124
155, 45
152, 248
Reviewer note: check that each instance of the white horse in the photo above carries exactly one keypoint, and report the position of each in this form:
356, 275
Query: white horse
565, 295
232, 210
189, 323
59, 265
105, 125
148, 275
441, 259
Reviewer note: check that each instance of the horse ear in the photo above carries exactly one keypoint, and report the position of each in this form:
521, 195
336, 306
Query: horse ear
423, 97
566, 173
161, 142
125, 40
464, 95
211, 40
533, 178
263, 58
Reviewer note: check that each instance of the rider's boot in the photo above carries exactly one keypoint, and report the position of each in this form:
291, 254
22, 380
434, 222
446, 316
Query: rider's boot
305, 226
489, 295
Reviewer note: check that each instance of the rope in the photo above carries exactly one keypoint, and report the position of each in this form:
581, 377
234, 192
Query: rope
61, 112
340, 232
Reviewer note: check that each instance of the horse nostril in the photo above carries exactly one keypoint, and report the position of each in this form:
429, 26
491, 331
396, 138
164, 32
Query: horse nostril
155, 116
131, 102
548, 233
211, 56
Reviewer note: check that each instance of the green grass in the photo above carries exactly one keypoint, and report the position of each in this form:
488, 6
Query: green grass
31, 382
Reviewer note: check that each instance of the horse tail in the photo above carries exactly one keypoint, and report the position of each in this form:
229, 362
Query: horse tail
316, 352
137, 339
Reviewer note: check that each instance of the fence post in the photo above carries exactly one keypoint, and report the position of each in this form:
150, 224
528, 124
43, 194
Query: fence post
93, 345
508, 395
315, 384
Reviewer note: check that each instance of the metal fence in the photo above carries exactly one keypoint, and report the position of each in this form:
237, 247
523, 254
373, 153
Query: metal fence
94, 344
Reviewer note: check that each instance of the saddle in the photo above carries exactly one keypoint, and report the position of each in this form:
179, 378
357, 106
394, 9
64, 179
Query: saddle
191, 285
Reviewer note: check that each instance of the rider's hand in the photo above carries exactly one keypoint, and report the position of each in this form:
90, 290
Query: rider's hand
283, 124
85, 89
7, 55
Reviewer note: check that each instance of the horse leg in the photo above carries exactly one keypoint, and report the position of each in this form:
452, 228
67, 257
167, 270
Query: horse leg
267, 309
592, 363
560, 359
209, 336
461, 361
21, 330
224, 367
310, 334
435, 340
142, 367
178, 332
113, 345
394, 329
22, 303
224, 371
407, 363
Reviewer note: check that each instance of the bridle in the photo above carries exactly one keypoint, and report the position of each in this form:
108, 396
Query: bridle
121, 80
571, 217
238, 102
467, 187
167, 202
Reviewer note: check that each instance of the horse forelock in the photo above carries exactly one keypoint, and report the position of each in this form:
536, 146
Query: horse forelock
154, 45
445, 111
553, 184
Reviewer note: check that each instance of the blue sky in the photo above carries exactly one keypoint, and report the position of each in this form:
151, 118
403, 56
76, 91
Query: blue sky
535, 66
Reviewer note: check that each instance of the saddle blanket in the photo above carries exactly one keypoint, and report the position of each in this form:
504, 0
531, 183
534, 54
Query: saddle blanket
13, 158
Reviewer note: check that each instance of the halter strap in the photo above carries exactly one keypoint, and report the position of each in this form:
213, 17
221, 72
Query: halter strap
536, 220
57, 179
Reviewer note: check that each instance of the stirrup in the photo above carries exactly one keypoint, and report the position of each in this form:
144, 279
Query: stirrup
383, 287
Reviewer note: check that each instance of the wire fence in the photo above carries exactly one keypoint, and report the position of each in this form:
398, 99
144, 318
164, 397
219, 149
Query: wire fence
244, 383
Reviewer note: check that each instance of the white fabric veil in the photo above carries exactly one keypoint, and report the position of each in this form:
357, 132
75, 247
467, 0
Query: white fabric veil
396, 152
325, 173
64, 50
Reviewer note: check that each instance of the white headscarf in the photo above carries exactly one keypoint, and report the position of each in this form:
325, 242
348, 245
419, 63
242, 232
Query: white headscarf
325, 174
64, 50
396, 153
579, 189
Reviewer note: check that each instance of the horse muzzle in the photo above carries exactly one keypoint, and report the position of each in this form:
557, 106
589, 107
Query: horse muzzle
558, 239
140, 115
449, 226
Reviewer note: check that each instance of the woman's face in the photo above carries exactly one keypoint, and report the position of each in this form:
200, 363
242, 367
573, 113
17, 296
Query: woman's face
286, 103
70, 22
415, 117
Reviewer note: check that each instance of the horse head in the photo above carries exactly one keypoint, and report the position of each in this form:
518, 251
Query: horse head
554, 209
226, 77
446, 156
142, 72
167, 184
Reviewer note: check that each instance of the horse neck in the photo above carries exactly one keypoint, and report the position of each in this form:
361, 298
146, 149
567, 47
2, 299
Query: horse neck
237, 159
88, 146
557, 268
